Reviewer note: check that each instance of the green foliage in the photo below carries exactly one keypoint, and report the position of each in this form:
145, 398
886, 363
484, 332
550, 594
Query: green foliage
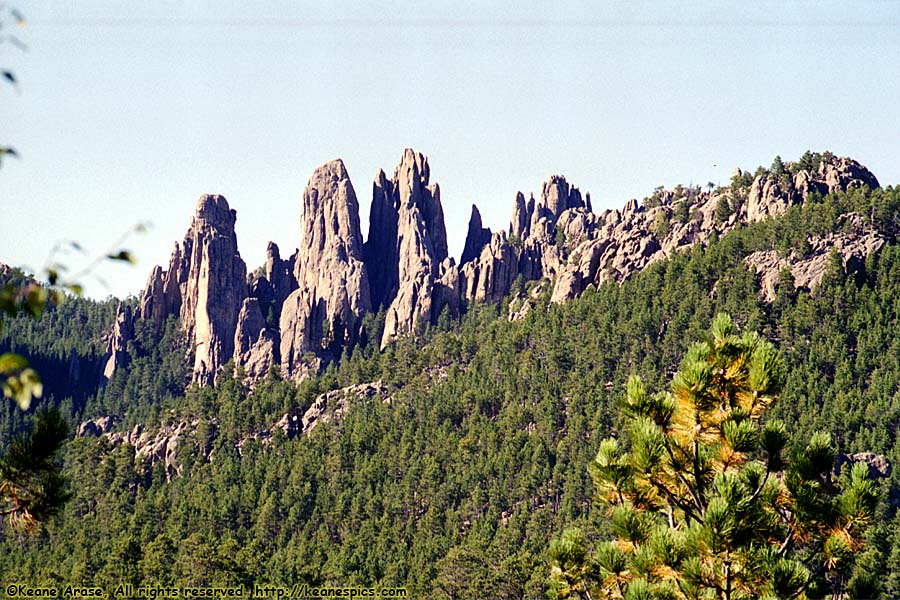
455, 486
697, 507
20, 295
724, 209
660, 226
682, 211
31, 486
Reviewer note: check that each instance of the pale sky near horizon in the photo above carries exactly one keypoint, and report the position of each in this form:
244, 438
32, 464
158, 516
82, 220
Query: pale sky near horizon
127, 112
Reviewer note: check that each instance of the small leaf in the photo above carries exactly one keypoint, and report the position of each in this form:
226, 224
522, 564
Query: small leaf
76, 246
35, 300
23, 387
8, 300
8, 75
10, 363
52, 276
57, 297
76, 289
122, 255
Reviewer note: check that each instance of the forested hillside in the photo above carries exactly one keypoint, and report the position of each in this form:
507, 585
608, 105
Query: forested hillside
454, 484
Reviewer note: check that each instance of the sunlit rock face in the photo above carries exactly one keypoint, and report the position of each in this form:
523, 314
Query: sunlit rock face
332, 292
205, 285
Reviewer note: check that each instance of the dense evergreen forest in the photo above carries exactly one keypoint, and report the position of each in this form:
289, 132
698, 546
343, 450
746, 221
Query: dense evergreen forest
454, 487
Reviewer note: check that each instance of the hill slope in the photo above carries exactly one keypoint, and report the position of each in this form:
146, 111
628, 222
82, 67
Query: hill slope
454, 487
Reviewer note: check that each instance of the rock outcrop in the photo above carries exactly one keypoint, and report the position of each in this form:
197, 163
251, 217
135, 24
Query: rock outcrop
214, 287
407, 229
274, 284
96, 427
300, 313
489, 277
333, 291
116, 354
150, 446
773, 193
610, 247
330, 406
381, 251
534, 248
204, 285
851, 246
879, 466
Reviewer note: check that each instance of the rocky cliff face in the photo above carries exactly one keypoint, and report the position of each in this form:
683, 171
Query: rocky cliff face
534, 248
204, 285
613, 245
117, 355
407, 229
274, 284
333, 291
772, 194
256, 345
214, 287
489, 276
381, 250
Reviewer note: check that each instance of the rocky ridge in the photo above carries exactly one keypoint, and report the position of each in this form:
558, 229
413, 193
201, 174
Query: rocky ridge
296, 314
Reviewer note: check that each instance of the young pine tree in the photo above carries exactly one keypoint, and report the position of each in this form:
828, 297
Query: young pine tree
702, 503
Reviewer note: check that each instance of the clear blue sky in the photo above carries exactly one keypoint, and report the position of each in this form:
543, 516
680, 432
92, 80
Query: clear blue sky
128, 111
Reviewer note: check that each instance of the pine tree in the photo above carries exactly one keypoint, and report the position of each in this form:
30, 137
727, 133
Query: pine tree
31, 485
703, 505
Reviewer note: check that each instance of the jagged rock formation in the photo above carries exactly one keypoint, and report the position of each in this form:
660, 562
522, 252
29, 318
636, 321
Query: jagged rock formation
161, 297
879, 466
157, 446
301, 312
96, 427
771, 194
333, 287
489, 277
274, 284
123, 331
205, 285
381, 250
534, 247
407, 230
257, 339
618, 243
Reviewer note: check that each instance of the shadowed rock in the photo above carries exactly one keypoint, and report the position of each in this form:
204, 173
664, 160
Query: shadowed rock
407, 229
477, 237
